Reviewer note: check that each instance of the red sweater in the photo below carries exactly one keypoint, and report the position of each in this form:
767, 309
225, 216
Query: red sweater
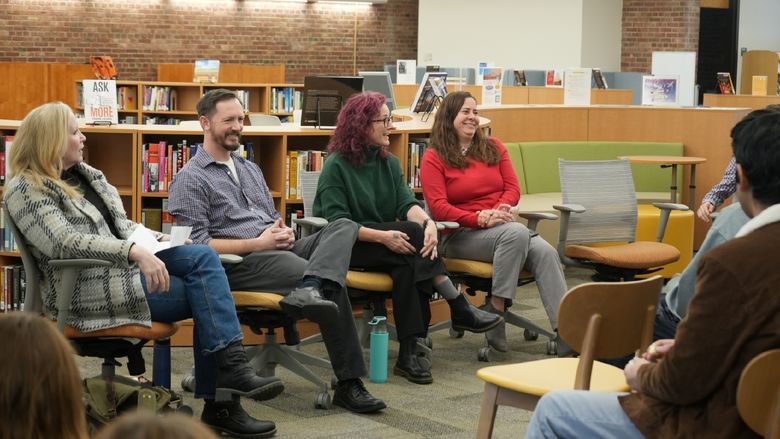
457, 195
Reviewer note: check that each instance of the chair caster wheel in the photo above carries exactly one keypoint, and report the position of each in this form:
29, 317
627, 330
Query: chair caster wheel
333, 382
530, 335
322, 401
188, 383
185, 409
552, 347
454, 333
483, 354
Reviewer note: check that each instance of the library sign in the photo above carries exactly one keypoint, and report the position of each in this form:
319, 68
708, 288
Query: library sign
100, 102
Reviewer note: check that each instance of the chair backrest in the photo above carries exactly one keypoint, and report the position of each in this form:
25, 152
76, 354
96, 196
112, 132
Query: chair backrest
32, 299
606, 189
308, 189
259, 120
758, 394
608, 320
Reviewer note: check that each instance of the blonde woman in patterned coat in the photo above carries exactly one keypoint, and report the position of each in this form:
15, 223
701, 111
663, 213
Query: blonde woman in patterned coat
66, 209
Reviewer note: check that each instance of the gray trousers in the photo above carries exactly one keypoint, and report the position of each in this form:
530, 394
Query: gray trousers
325, 254
510, 247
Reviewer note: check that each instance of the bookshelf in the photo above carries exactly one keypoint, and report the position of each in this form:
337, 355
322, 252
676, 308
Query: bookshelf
169, 103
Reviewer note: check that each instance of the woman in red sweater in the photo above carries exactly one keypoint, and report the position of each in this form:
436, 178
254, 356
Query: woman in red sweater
468, 178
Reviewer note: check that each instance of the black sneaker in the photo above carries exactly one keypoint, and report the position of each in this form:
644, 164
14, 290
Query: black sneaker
230, 418
307, 302
353, 396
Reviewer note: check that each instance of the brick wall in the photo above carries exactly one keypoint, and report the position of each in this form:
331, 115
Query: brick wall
658, 25
139, 34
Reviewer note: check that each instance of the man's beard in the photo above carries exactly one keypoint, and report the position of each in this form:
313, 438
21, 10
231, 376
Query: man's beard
232, 147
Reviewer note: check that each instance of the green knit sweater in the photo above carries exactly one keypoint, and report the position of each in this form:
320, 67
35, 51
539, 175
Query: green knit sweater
372, 193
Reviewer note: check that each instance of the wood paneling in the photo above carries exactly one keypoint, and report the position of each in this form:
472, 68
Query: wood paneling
23, 87
62, 81
744, 101
228, 73
512, 123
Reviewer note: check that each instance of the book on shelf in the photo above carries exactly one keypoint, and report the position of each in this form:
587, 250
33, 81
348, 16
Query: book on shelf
161, 161
553, 78
759, 85
166, 218
127, 97
159, 98
491, 85
520, 79
428, 90
5, 149
297, 162
285, 99
415, 153
598, 79
206, 71
100, 101
151, 218
725, 86
13, 285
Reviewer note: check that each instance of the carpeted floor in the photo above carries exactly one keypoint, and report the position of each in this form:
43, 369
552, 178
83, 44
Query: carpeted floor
448, 408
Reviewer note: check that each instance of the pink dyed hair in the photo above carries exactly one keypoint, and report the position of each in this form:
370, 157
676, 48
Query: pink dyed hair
353, 126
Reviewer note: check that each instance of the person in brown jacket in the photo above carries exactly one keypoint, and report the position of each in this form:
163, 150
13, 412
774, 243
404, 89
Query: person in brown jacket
686, 387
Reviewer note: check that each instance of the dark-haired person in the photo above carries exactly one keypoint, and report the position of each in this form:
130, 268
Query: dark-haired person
686, 387
66, 209
468, 178
363, 182
226, 200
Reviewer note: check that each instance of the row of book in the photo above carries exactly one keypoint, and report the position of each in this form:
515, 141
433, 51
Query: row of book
5, 148
297, 162
160, 98
285, 100
7, 242
161, 120
12, 282
126, 97
415, 154
156, 218
243, 96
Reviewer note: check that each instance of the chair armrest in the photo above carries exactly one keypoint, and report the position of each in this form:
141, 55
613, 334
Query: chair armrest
70, 269
441, 225
671, 206
310, 224
230, 259
533, 218
666, 210
576, 208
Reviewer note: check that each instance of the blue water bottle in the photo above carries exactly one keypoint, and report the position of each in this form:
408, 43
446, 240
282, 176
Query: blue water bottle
378, 361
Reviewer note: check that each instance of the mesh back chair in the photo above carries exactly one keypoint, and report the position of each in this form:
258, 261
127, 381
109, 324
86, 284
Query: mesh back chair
191, 124
373, 289
478, 276
599, 206
267, 120
108, 344
599, 320
758, 394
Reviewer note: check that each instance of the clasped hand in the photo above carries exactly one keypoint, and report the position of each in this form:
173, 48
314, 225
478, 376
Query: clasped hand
278, 236
493, 217
655, 352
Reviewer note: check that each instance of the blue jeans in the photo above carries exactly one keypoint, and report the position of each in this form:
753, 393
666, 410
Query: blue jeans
581, 414
199, 290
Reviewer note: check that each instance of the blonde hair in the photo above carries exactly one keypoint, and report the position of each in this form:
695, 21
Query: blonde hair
147, 425
40, 387
39, 145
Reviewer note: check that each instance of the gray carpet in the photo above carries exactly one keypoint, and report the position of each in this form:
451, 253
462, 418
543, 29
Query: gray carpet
448, 408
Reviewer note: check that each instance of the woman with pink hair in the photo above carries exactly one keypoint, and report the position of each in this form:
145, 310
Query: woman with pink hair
362, 181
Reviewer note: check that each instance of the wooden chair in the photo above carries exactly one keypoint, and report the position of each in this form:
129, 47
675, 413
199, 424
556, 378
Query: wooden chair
758, 394
599, 320
599, 206
108, 344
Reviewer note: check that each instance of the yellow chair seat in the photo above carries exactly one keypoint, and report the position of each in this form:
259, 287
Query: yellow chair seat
633, 255
542, 376
369, 281
474, 268
246, 299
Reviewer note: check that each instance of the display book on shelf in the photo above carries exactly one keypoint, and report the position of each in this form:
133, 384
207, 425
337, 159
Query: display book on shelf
169, 103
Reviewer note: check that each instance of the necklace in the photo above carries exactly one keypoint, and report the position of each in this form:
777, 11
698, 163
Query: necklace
464, 149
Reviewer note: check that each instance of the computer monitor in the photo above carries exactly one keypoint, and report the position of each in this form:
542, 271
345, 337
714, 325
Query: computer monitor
323, 97
380, 82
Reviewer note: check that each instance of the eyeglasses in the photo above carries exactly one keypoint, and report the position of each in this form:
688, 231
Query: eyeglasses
387, 120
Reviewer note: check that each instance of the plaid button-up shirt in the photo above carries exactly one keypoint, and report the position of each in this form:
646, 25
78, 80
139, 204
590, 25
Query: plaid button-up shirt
205, 196
727, 186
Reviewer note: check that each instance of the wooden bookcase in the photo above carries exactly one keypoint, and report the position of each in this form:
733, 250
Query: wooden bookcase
187, 96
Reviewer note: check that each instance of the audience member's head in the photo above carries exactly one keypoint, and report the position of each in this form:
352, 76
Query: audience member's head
355, 125
756, 145
40, 387
148, 425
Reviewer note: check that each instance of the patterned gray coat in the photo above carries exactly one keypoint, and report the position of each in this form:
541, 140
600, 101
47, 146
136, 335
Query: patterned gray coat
57, 226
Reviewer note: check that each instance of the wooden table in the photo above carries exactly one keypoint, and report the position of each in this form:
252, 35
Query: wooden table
671, 161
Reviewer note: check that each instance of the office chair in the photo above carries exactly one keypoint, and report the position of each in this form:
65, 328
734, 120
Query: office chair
478, 275
758, 394
599, 320
372, 289
601, 194
108, 344
261, 312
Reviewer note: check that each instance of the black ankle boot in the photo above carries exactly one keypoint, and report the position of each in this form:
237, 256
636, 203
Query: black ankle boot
234, 375
408, 364
467, 317
230, 418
